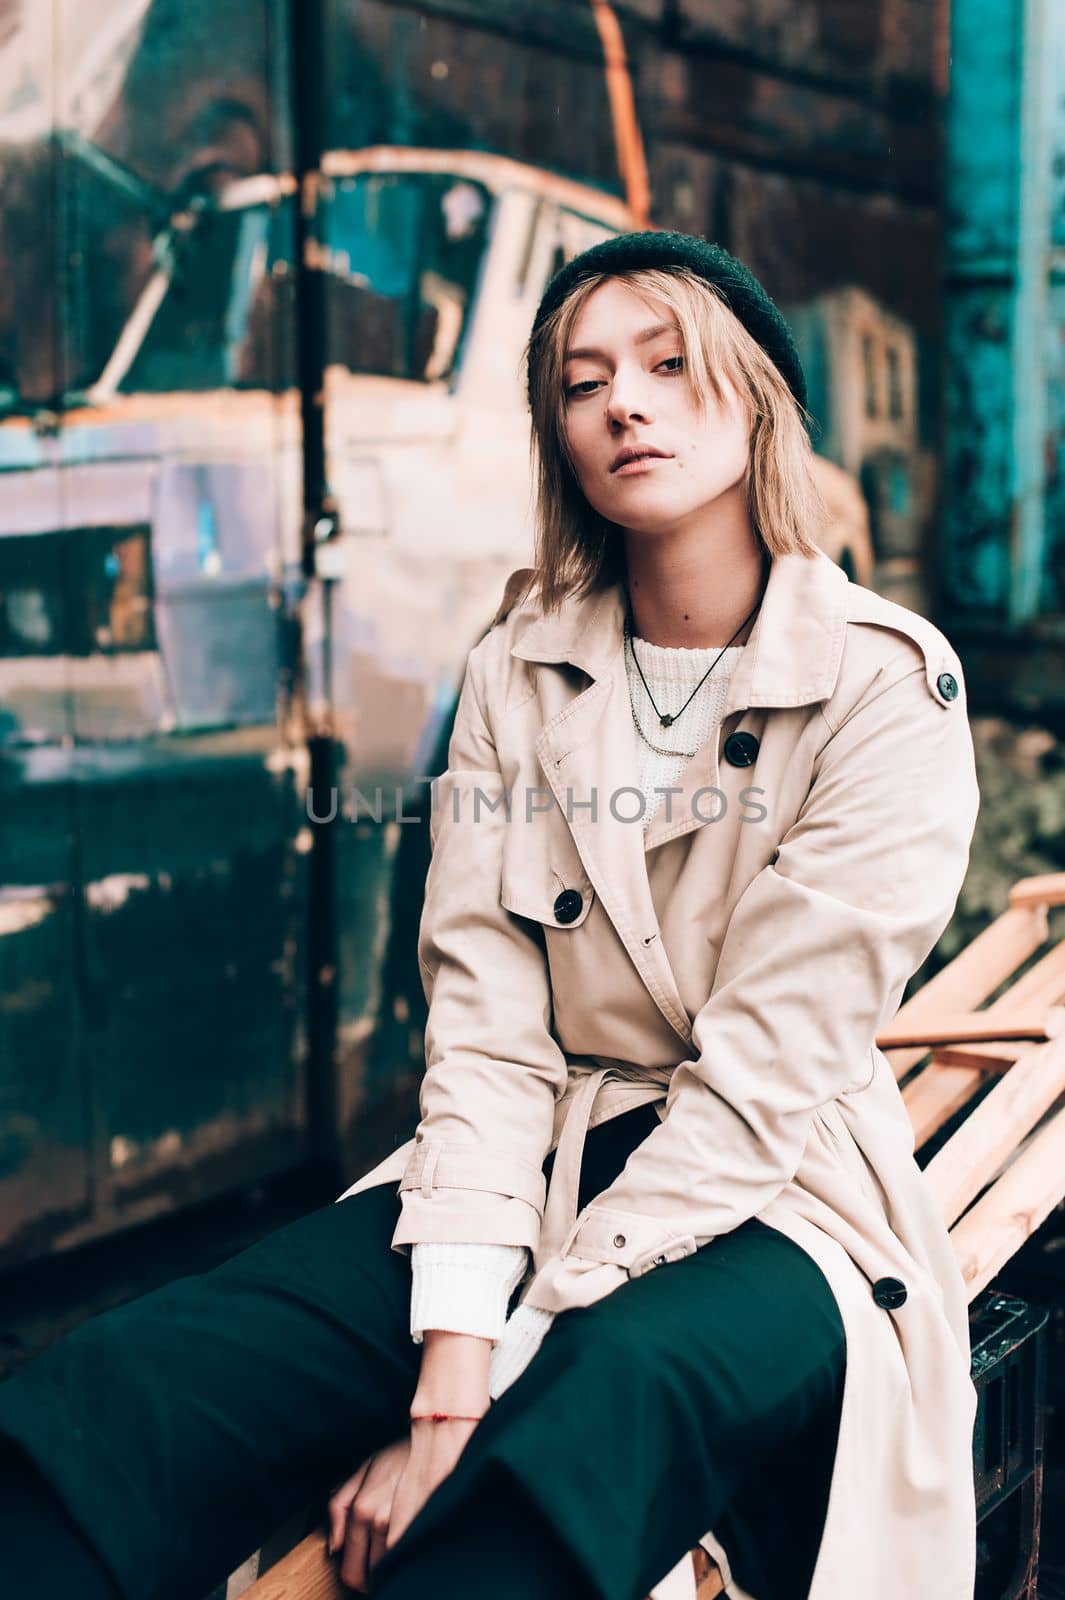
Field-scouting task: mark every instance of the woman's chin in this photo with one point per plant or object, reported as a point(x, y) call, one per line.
point(647, 513)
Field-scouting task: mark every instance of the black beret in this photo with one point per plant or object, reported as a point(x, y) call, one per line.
point(628, 252)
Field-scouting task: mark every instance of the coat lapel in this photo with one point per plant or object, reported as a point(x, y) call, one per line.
point(587, 749)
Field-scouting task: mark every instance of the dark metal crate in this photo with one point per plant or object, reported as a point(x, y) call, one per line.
point(1009, 1344)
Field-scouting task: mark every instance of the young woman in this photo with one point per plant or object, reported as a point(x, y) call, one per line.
point(708, 806)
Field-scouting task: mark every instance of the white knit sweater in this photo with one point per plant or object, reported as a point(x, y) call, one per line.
point(467, 1288)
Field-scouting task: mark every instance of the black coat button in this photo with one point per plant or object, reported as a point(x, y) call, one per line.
point(741, 749)
point(568, 905)
point(947, 684)
point(889, 1293)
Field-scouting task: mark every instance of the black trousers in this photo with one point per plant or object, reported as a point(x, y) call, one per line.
point(152, 1449)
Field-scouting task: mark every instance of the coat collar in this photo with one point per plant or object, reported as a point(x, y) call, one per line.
point(792, 656)
point(587, 752)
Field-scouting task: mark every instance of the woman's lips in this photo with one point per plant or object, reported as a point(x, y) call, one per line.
point(629, 468)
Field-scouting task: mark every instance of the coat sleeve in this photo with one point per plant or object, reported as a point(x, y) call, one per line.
point(493, 1067)
point(815, 958)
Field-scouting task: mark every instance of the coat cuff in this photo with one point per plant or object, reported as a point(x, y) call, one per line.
point(437, 1164)
point(604, 1249)
point(464, 1218)
point(626, 1239)
point(455, 1194)
point(463, 1288)
point(567, 1285)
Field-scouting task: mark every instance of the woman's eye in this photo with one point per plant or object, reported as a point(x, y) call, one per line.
point(586, 386)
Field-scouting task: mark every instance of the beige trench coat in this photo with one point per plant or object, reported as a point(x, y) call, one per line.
point(733, 964)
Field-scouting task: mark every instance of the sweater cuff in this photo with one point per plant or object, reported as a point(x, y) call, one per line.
point(521, 1340)
point(463, 1288)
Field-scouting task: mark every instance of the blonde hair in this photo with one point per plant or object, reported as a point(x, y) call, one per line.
point(576, 549)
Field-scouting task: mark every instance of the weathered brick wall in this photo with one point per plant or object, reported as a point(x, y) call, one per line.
point(803, 134)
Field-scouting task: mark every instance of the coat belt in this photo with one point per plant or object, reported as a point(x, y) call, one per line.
point(641, 1085)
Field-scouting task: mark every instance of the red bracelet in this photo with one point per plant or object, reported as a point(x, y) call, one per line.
point(443, 1416)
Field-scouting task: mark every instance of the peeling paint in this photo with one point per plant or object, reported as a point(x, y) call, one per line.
point(110, 893)
point(19, 912)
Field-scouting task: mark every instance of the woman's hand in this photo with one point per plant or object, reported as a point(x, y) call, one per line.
point(361, 1510)
point(435, 1448)
point(453, 1379)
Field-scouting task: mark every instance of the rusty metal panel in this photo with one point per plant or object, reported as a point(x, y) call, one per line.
point(866, 43)
point(522, 80)
point(1053, 572)
point(152, 1025)
point(193, 899)
point(1002, 540)
point(798, 128)
point(44, 1130)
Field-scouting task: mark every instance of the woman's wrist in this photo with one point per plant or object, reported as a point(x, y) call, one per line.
point(454, 1373)
point(435, 1418)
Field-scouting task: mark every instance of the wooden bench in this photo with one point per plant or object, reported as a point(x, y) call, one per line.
point(980, 1054)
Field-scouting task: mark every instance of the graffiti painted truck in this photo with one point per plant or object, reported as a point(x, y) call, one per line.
point(206, 968)
point(162, 651)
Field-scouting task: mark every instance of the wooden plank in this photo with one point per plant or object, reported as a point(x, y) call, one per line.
point(1048, 889)
point(1012, 1209)
point(986, 1138)
point(975, 972)
point(973, 1027)
point(1042, 984)
point(935, 1095)
point(985, 1058)
point(931, 1099)
point(307, 1573)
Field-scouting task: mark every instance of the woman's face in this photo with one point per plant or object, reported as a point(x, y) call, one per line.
point(625, 385)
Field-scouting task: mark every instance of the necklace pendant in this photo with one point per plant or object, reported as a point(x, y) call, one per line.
point(666, 721)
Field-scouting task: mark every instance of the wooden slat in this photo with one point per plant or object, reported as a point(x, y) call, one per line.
point(954, 1074)
point(1012, 1209)
point(307, 1573)
point(972, 1027)
point(1048, 889)
point(935, 1095)
point(988, 1059)
point(974, 973)
point(1042, 985)
point(989, 1135)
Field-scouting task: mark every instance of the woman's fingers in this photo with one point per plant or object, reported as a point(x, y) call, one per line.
point(340, 1501)
point(367, 1529)
point(378, 1543)
point(360, 1513)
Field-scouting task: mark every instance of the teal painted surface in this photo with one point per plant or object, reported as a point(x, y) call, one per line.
point(151, 960)
point(153, 865)
point(1005, 152)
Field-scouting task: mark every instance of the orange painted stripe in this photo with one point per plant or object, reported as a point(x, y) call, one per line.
point(628, 140)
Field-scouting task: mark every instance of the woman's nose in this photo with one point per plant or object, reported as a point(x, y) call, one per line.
point(628, 399)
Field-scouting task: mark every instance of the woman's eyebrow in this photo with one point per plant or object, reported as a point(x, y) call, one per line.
point(643, 337)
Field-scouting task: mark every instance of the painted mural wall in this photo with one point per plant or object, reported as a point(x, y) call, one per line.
point(173, 635)
point(1003, 574)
